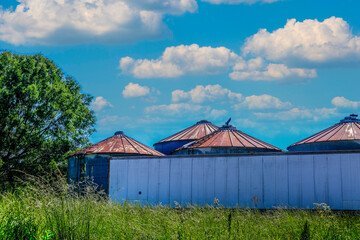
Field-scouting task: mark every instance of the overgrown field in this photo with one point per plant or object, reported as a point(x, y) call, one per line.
point(43, 211)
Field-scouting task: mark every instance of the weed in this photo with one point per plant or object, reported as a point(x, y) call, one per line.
point(56, 210)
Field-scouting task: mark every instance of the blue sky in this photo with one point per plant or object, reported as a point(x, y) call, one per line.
point(282, 70)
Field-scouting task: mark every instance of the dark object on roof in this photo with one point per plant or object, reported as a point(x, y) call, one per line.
point(195, 132)
point(344, 135)
point(226, 139)
point(119, 144)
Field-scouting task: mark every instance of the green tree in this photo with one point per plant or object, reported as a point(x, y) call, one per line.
point(43, 116)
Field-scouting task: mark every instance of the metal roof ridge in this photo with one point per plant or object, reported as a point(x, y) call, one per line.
point(235, 135)
point(241, 132)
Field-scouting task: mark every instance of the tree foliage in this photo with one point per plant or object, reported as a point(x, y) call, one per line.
point(43, 115)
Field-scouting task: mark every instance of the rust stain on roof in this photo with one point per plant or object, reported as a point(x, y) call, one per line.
point(346, 129)
point(196, 131)
point(119, 144)
point(229, 136)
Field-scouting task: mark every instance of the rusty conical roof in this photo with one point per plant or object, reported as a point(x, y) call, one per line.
point(119, 144)
point(346, 129)
point(196, 131)
point(229, 136)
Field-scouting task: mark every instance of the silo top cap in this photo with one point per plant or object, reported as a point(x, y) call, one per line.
point(202, 121)
point(351, 118)
point(119, 133)
point(225, 127)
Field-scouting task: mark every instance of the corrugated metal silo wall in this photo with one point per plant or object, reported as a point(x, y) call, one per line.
point(90, 167)
point(255, 181)
point(73, 169)
point(97, 170)
point(167, 147)
point(326, 146)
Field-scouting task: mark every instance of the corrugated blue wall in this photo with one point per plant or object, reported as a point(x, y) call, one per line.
point(326, 146)
point(221, 150)
point(254, 181)
point(167, 147)
point(93, 167)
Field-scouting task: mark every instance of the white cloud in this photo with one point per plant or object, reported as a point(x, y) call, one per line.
point(298, 113)
point(100, 103)
point(218, 94)
point(59, 22)
point(175, 7)
point(144, 68)
point(274, 72)
point(262, 102)
point(192, 59)
point(177, 109)
point(342, 102)
point(215, 113)
point(247, 123)
point(307, 42)
point(112, 122)
point(206, 93)
point(135, 90)
point(291, 114)
point(53, 22)
point(321, 113)
point(186, 110)
point(238, 1)
point(108, 120)
point(181, 60)
point(250, 65)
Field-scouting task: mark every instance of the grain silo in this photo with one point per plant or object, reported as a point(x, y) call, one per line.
point(190, 134)
point(344, 135)
point(93, 162)
point(226, 140)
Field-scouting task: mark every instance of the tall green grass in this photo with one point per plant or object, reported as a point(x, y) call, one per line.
point(45, 210)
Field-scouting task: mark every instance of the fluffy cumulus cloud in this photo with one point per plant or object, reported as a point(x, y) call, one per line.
point(206, 93)
point(107, 120)
point(239, 1)
point(288, 54)
point(186, 109)
point(247, 123)
point(299, 113)
point(216, 114)
point(274, 72)
point(307, 42)
point(133, 90)
point(219, 94)
point(100, 103)
point(177, 109)
point(262, 102)
point(54, 22)
point(181, 60)
point(195, 60)
point(342, 102)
